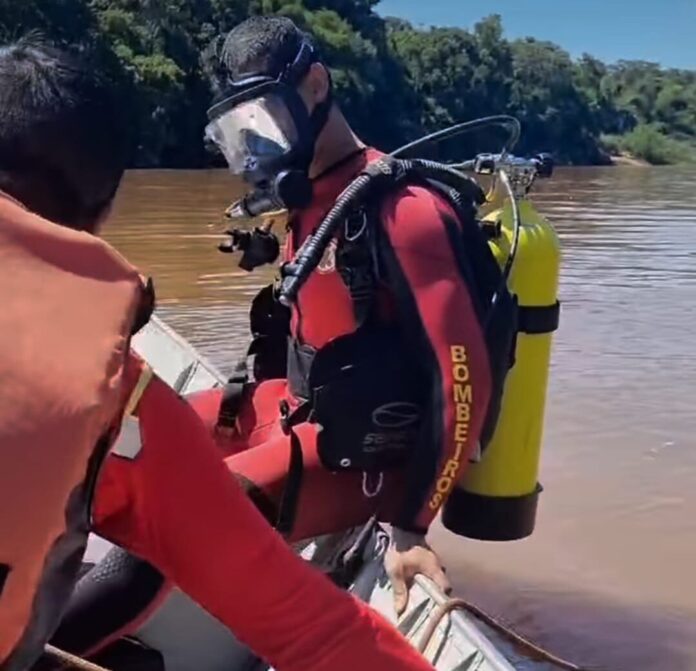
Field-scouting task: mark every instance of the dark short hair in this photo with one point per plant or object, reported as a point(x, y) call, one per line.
point(63, 144)
point(261, 45)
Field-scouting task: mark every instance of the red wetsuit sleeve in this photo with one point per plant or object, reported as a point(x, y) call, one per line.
point(438, 318)
point(174, 504)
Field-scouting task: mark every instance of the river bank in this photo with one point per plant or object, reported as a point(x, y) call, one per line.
point(630, 161)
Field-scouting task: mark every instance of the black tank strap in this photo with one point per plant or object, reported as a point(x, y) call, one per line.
point(539, 319)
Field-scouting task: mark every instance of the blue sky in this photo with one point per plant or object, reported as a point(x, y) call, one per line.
point(655, 30)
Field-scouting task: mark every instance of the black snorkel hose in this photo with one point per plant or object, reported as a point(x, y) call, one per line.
point(388, 169)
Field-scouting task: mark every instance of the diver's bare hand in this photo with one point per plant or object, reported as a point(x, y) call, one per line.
point(408, 555)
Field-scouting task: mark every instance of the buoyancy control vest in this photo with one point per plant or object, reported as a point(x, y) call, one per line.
point(497, 497)
point(372, 367)
point(343, 384)
point(70, 306)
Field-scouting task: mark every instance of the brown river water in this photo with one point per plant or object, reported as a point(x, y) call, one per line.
point(609, 578)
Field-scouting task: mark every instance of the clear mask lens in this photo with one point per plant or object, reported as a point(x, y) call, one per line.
point(254, 133)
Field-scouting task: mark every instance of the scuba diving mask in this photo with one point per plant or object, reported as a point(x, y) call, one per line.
point(267, 135)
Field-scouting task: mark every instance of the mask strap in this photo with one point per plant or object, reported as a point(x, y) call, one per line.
point(294, 72)
point(293, 75)
point(320, 114)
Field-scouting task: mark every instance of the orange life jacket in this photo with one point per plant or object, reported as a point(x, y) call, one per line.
point(69, 305)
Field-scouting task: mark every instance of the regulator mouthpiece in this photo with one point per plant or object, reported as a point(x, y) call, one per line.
point(290, 190)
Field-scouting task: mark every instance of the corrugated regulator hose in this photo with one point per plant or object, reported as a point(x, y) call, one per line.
point(378, 176)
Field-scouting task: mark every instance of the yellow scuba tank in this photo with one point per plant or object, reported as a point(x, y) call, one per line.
point(496, 499)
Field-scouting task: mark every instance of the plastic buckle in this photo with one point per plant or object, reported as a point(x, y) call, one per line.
point(285, 416)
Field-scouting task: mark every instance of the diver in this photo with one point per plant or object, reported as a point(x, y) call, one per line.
point(71, 304)
point(369, 385)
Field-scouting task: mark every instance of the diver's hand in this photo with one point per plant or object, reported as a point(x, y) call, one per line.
point(409, 554)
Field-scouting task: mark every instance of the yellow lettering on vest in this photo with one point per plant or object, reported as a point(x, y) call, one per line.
point(461, 432)
point(462, 394)
point(443, 485)
point(435, 502)
point(450, 470)
point(458, 354)
point(460, 372)
point(463, 412)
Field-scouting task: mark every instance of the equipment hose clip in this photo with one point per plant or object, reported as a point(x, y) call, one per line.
point(355, 220)
point(371, 488)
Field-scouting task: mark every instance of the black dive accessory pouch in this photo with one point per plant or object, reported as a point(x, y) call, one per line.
point(368, 400)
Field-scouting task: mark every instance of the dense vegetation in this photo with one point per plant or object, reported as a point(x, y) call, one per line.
point(394, 82)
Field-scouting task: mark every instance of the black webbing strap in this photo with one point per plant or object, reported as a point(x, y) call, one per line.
point(355, 262)
point(233, 394)
point(4, 572)
point(287, 510)
point(538, 319)
point(145, 308)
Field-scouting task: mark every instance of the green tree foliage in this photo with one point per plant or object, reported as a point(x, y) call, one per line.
point(393, 81)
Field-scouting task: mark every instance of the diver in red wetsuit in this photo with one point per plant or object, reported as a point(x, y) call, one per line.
point(169, 498)
point(407, 336)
